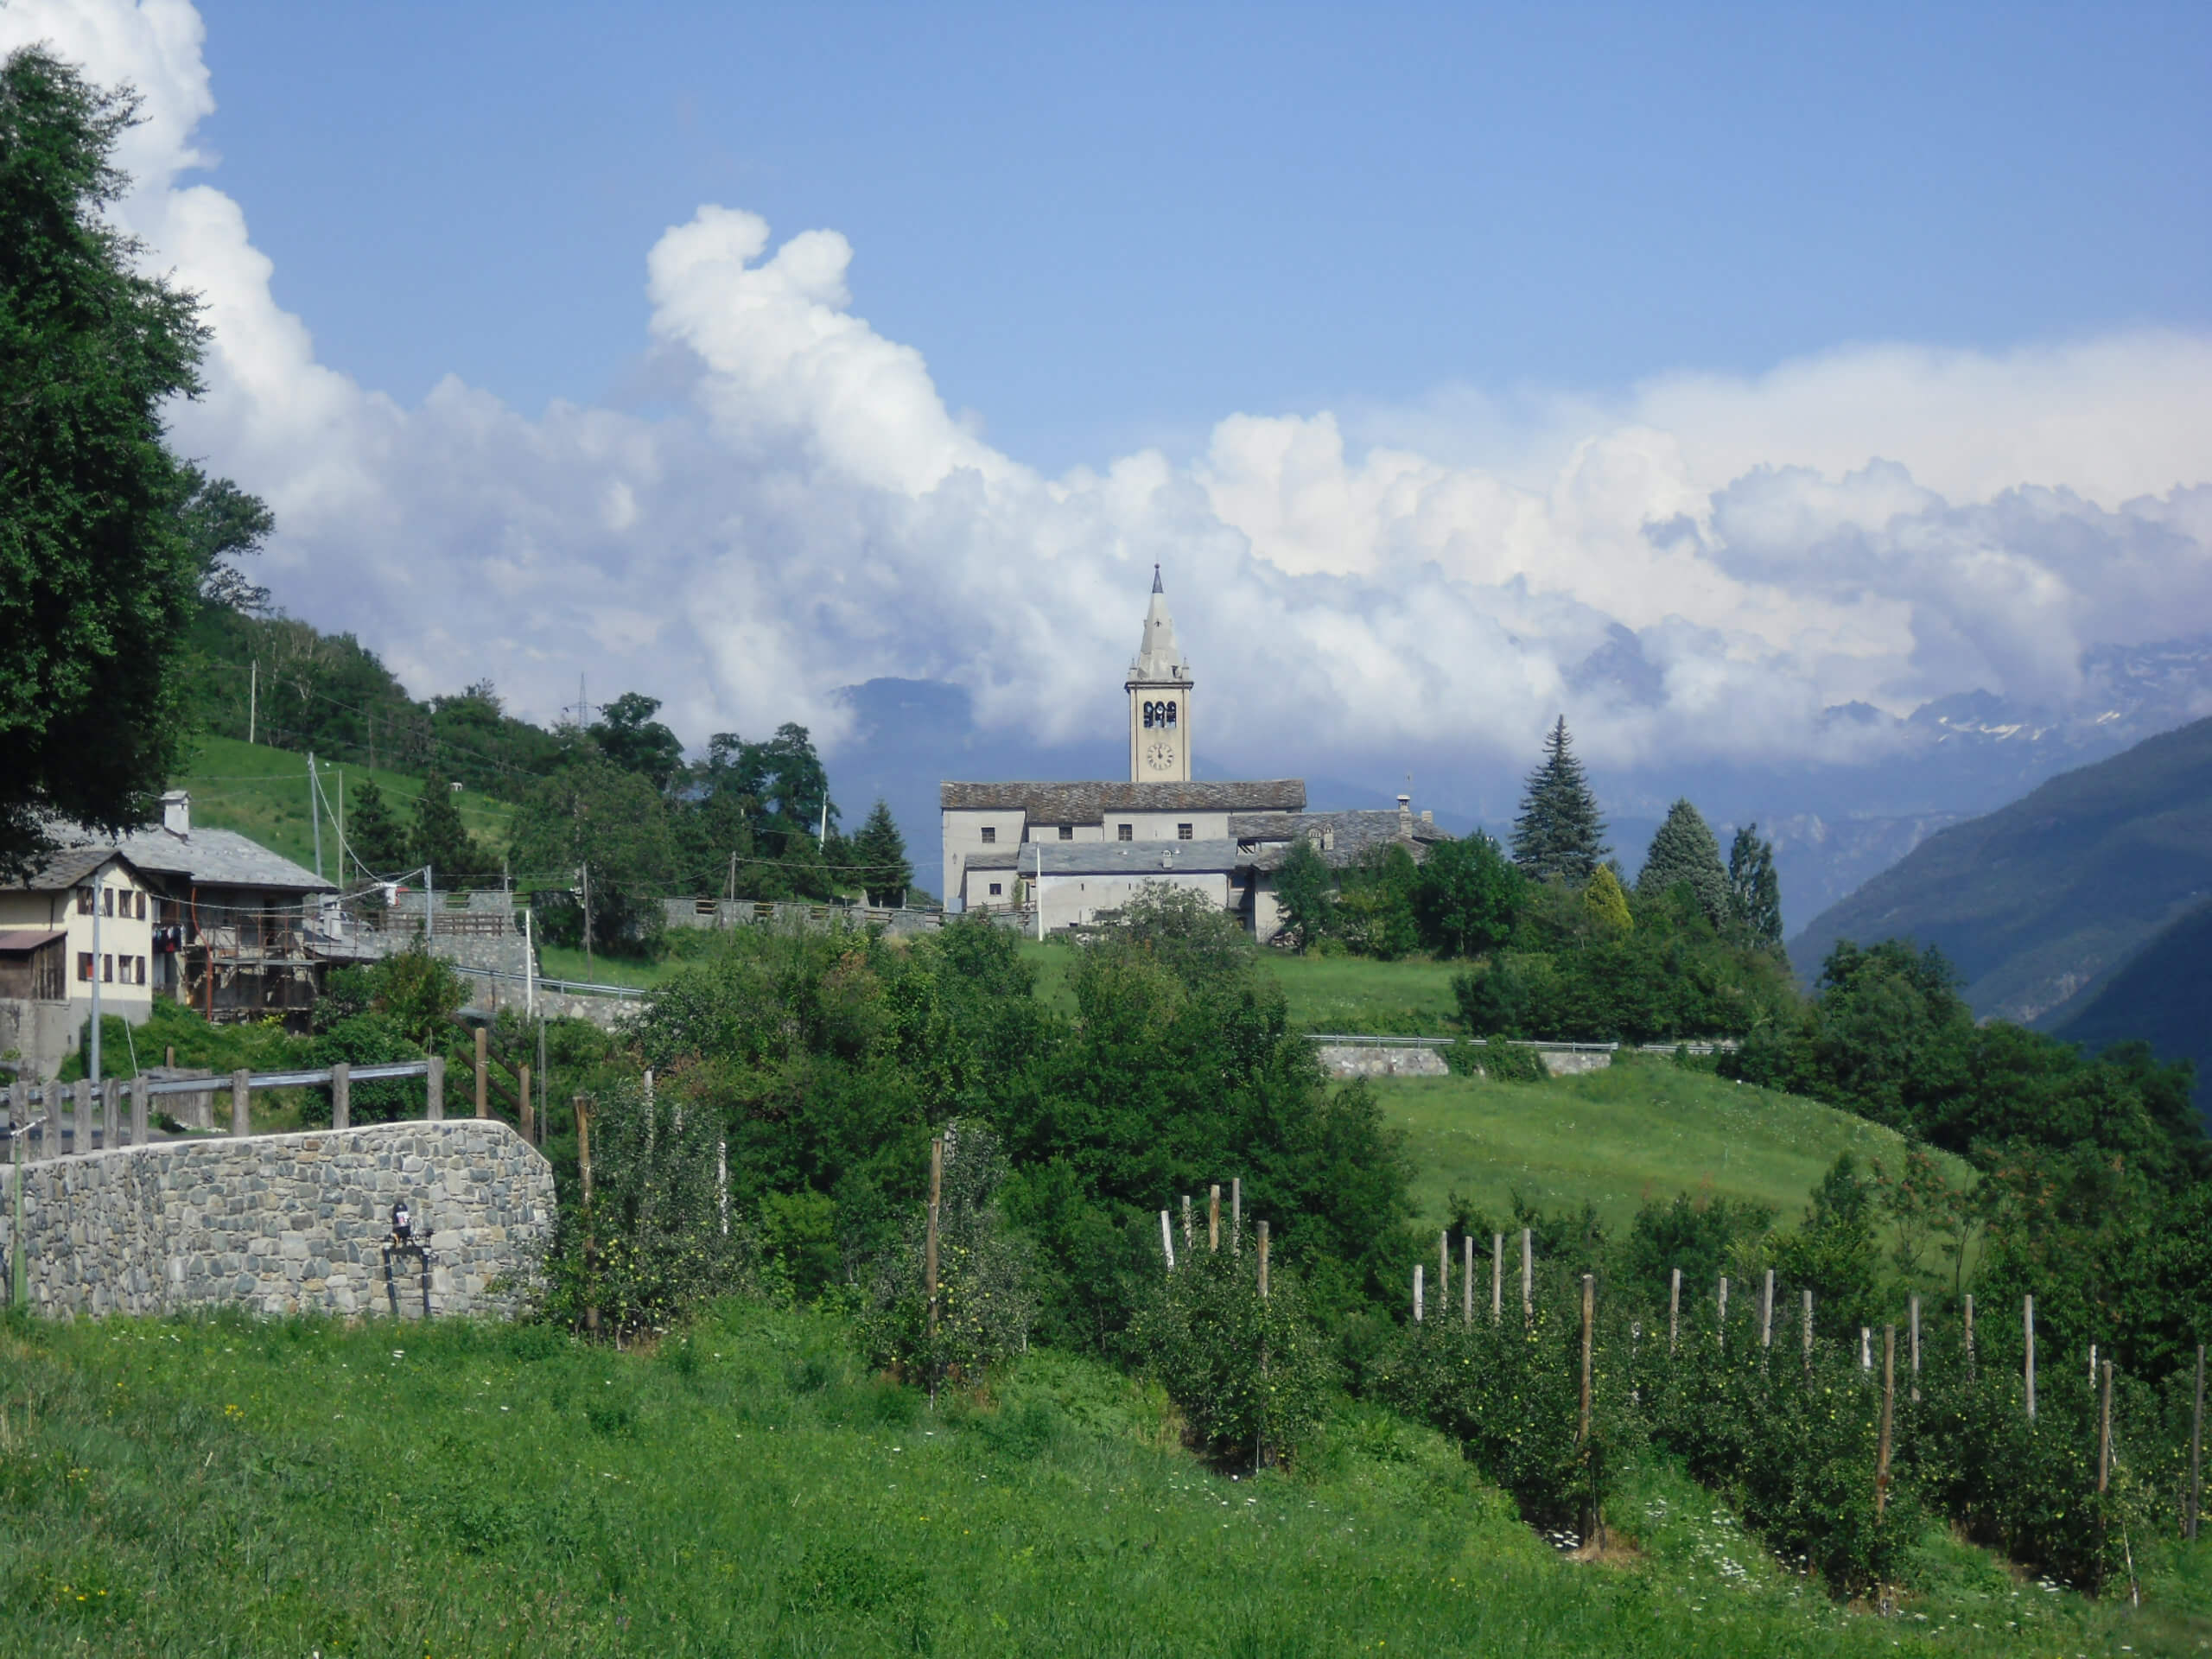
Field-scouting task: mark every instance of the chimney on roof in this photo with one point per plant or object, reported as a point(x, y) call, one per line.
point(1406, 814)
point(176, 814)
point(1428, 817)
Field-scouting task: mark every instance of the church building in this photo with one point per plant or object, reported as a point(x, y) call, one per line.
point(1072, 851)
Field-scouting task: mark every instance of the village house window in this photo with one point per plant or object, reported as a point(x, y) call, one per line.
point(141, 908)
point(107, 971)
point(1182, 832)
point(1067, 832)
point(84, 901)
point(84, 964)
point(991, 835)
point(107, 901)
point(997, 889)
point(1125, 832)
point(138, 971)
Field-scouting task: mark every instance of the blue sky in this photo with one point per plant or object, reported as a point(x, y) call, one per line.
point(1110, 227)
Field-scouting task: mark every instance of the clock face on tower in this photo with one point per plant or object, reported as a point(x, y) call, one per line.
point(1160, 757)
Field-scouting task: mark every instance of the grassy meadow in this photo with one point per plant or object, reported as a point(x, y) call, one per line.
point(1642, 1129)
point(263, 793)
point(233, 1487)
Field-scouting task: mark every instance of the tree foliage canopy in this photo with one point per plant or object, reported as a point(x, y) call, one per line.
point(1560, 835)
point(1684, 851)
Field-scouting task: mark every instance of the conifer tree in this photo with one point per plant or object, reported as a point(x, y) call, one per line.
point(1754, 889)
point(1606, 903)
point(440, 839)
point(1559, 834)
point(373, 832)
point(1684, 853)
point(877, 854)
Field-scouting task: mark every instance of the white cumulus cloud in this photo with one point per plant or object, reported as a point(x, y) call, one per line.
point(1694, 566)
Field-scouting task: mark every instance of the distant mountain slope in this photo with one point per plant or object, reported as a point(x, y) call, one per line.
point(2162, 994)
point(2033, 901)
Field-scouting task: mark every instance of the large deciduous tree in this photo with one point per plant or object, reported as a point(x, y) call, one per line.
point(1685, 854)
point(632, 739)
point(1468, 897)
point(1559, 834)
point(593, 818)
point(100, 566)
point(1306, 891)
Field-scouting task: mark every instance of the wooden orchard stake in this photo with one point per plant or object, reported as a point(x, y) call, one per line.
point(1865, 1348)
point(1188, 1235)
point(721, 1170)
point(584, 1144)
point(483, 1073)
point(529, 1114)
point(1721, 1329)
point(1443, 1268)
point(583, 1169)
point(1915, 1348)
point(1166, 1242)
point(1237, 1215)
point(929, 1242)
point(1213, 1217)
point(2196, 1449)
point(1807, 1319)
point(1496, 1277)
point(1766, 1312)
point(1591, 1521)
point(2104, 1432)
point(2028, 1325)
point(1263, 1261)
point(1417, 1293)
point(1467, 1277)
point(1673, 1309)
point(1969, 1306)
point(1528, 1276)
point(1889, 1406)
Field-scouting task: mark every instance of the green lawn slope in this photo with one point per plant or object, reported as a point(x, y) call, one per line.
point(261, 792)
point(1643, 1129)
point(303, 1488)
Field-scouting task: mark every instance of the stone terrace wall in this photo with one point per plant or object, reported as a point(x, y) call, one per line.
point(285, 1224)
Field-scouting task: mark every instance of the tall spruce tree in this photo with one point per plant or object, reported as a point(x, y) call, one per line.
point(1559, 834)
point(1684, 853)
point(1754, 889)
point(440, 839)
point(878, 857)
point(374, 834)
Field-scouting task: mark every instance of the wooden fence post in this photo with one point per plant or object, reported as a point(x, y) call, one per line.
point(584, 1144)
point(1969, 1309)
point(2104, 1434)
point(241, 1098)
point(1417, 1293)
point(1496, 1277)
point(582, 1104)
point(1528, 1276)
point(1263, 1261)
point(1166, 1242)
point(81, 1142)
point(529, 1105)
point(141, 1100)
point(436, 1093)
point(1766, 1312)
point(929, 1247)
point(1721, 1330)
point(1915, 1348)
point(483, 1073)
point(341, 1095)
point(1237, 1215)
point(1444, 1269)
point(1673, 1309)
point(2028, 1325)
point(1889, 1404)
point(2196, 1449)
point(1467, 1277)
point(1213, 1217)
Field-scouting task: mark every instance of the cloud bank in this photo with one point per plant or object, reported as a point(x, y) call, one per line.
point(1695, 567)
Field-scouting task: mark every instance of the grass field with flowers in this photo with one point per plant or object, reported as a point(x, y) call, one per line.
point(234, 1488)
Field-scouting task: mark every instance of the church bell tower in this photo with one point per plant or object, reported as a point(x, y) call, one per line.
point(1159, 700)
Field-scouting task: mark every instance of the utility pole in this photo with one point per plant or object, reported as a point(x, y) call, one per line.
point(313, 813)
point(584, 873)
point(254, 702)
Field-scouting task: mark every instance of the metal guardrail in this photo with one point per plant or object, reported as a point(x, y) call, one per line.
point(561, 987)
point(1361, 1040)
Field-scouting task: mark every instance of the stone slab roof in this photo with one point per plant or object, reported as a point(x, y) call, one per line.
point(1348, 835)
point(213, 858)
point(1116, 857)
point(1089, 803)
point(66, 866)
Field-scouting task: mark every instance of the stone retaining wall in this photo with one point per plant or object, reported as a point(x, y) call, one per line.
point(286, 1223)
point(1367, 1060)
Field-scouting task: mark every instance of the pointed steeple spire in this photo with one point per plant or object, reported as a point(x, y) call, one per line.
point(1158, 659)
point(1156, 588)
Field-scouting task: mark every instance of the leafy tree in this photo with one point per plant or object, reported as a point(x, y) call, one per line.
point(767, 803)
point(1468, 898)
point(1606, 904)
point(1754, 889)
point(1684, 852)
point(594, 816)
point(1305, 891)
point(1700, 1236)
point(1194, 938)
point(1374, 903)
point(1560, 835)
point(630, 738)
point(99, 579)
point(374, 832)
point(439, 838)
point(224, 524)
point(1835, 1253)
point(878, 857)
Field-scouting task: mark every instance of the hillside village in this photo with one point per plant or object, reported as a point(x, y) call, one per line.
point(570, 1187)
